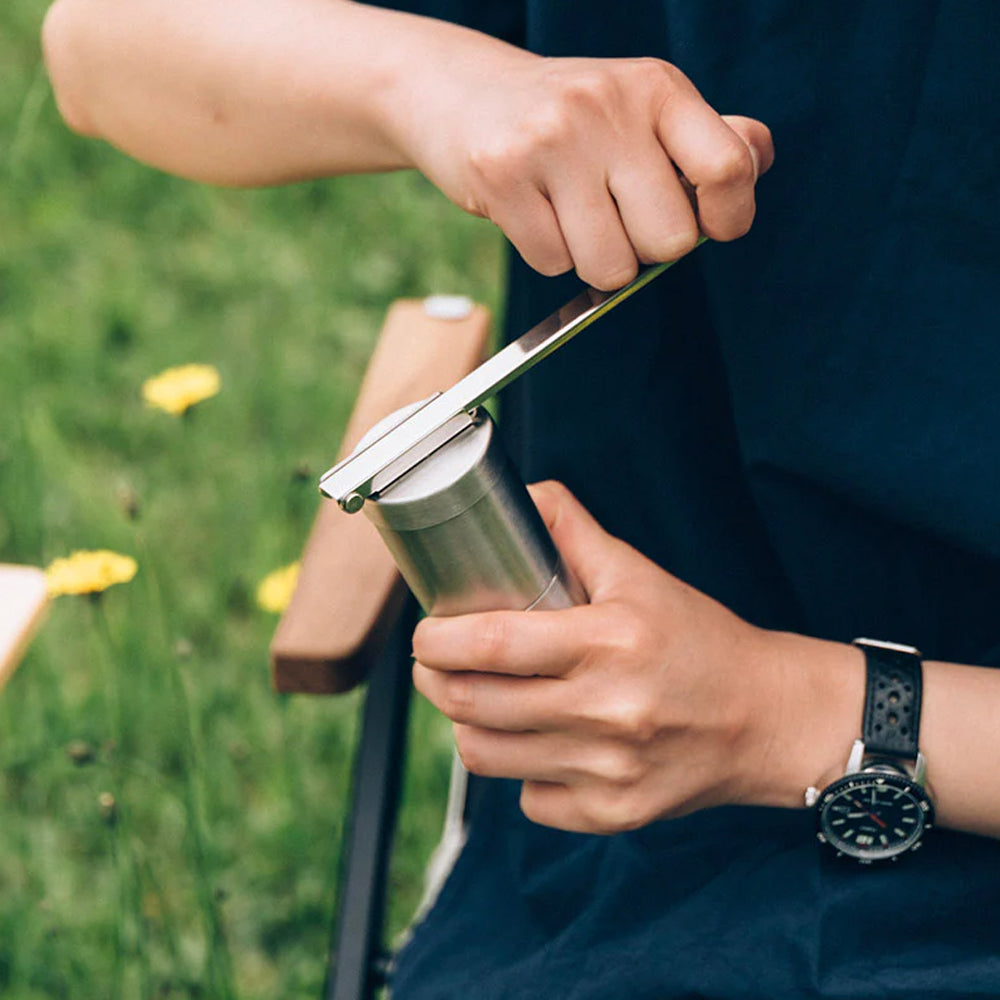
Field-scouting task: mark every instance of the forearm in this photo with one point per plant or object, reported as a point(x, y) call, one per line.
point(960, 737)
point(245, 92)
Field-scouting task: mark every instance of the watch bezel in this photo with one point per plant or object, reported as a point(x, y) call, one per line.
point(874, 774)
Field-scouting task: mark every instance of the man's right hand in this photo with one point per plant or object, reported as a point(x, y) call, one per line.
point(580, 161)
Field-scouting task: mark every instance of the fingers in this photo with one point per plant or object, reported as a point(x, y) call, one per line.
point(572, 807)
point(545, 643)
point(529, 222)
point(576, 160)
point(603, 252)
point(535, 643)
point(757, 136)
point(521, 643)
point(494, 701)
point(655, 209)
point(640, 214)
point(546, 757)
point(716, 160)
point(618, 200)
point(599, 561)
point(535, 756)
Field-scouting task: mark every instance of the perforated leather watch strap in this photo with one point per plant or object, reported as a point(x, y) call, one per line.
point(891, 724)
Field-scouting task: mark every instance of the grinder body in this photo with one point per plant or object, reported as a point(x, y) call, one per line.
point(464, 531)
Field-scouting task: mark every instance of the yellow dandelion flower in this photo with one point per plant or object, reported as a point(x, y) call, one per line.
point(175, 390)
point(276, 589)
point(89, 572)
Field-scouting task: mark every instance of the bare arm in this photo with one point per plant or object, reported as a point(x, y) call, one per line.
point(576, 160)
point(242, 92)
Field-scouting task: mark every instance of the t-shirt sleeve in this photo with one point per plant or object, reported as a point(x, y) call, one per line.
point(501, 18)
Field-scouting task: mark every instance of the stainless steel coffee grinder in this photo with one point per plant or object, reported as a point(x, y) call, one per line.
point(449, 503)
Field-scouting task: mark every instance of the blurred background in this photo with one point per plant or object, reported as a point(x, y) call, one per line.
point(170, 827)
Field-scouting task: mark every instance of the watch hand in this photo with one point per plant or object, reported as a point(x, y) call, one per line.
point(869, 814)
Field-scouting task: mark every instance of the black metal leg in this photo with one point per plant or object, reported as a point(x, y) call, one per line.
point(355, 968)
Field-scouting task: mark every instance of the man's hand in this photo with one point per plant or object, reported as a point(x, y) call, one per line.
point(651, 701)
point(578, 160)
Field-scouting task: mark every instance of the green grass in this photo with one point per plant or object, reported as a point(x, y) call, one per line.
point(213, 873)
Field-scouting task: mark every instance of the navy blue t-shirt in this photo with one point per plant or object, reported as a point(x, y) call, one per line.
point(804, 424)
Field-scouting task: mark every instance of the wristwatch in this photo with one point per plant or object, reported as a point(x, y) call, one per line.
point(880, 808)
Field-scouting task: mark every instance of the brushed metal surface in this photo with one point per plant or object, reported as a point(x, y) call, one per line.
point(465, 533)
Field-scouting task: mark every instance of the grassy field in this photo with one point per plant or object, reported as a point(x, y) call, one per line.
point(169, 827)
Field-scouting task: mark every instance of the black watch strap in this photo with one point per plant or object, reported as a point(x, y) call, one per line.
point(891, 724)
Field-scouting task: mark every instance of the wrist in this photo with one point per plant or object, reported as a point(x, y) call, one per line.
point(818, 700)
point(434, 80)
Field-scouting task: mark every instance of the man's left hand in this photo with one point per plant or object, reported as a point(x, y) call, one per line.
point(653, 700)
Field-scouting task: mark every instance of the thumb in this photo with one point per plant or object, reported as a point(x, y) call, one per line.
point(592, 555)
point(757, 136)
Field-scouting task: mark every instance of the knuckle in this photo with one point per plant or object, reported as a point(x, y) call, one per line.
point(630, 719)
point(620, 768)
point(654, 74)
point(734, 167)
point(590, 86)
point(660, 68)
point(630, 635)
point(616, 811)
point(547, 126)
point(498, 163)
point(485, 161)
point(632, 813)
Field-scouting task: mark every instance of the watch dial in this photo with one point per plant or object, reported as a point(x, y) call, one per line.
point(874, 816)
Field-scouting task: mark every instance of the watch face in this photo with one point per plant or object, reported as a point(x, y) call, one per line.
point(874, 815)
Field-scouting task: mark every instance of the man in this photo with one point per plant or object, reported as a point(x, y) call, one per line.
point(802, 427)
